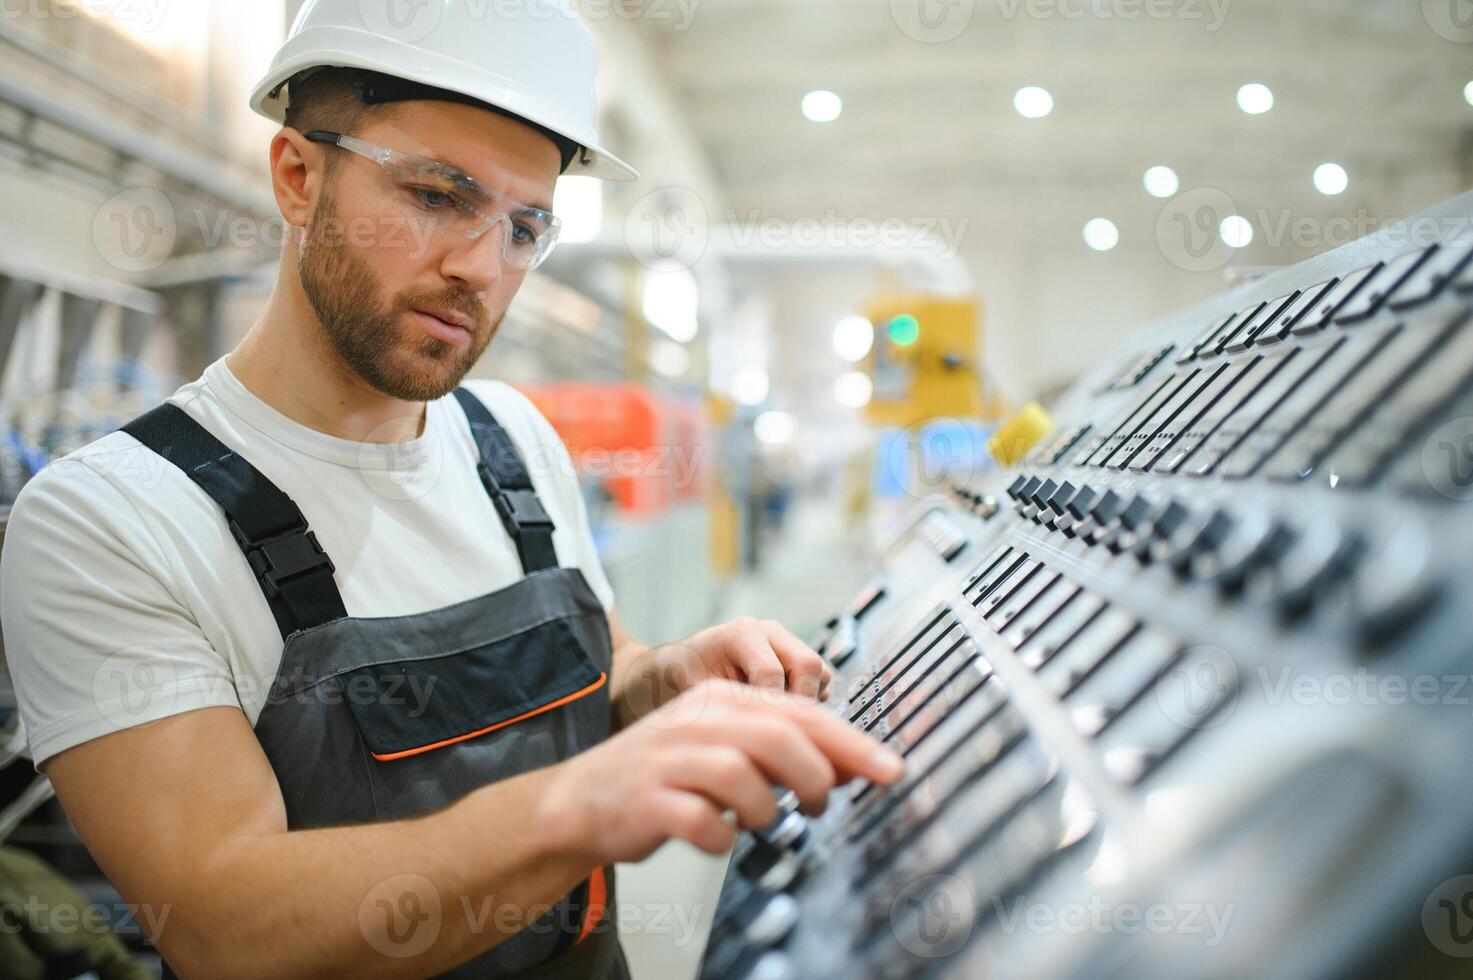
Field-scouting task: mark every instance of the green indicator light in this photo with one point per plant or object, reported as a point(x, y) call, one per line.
point(904, 330)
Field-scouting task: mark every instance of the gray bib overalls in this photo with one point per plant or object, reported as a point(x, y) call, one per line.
point(384, 718)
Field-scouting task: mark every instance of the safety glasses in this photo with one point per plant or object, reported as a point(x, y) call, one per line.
point(453, 205)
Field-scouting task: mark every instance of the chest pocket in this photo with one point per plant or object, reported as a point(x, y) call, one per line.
point(408, 708)
point(435, 728)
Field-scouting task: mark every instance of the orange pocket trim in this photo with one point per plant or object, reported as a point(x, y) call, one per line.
point(598, 897)
point(391, 756)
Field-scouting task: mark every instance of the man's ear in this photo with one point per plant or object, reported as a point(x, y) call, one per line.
point(296, 175)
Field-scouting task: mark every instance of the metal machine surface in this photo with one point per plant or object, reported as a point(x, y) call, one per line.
point(1184, 693)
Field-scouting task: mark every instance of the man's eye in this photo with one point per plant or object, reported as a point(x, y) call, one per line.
point(524, 235)
point(433, 199)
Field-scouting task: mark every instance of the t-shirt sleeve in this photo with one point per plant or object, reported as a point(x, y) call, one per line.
point(552, 470)
point(97, 639)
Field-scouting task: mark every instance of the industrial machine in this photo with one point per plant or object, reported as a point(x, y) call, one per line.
point(1185, 691)
point(925, 361)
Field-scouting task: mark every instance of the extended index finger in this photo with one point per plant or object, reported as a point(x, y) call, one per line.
point(852, 752)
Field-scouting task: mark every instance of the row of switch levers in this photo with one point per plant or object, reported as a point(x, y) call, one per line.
point(982, 805)
point(1337, 377)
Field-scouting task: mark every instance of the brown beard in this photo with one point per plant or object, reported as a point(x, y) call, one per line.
point(344, 292)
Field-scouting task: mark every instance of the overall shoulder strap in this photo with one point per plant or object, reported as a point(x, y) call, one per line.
point(291, 567)
point(505, 478)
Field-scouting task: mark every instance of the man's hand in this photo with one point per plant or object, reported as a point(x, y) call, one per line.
point(761, 653)
point(718, 747)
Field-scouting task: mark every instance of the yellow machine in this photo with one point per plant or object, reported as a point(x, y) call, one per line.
point(926, 359)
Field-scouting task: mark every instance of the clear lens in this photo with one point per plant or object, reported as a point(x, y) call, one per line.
point(453, 207)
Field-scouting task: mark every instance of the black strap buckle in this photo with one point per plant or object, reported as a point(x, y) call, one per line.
point(522, 509)
point(283, 557)
point(518, 508)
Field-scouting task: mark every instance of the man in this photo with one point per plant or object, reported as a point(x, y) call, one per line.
point(326, 675)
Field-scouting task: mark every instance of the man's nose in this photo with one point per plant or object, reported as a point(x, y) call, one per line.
point(477, 262)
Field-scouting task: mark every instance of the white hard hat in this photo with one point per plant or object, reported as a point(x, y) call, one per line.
point(532, 58)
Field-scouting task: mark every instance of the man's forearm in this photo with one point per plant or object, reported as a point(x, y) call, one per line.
point(403, 898)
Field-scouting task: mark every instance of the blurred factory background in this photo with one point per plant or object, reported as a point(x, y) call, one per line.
point(865, 232)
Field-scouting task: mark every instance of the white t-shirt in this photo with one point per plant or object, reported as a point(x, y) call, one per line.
point(124, 599)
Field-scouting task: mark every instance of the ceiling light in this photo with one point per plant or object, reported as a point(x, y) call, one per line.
point(1255, 99)
point(853, 389)
point(1033, 102)
point(822, 106)
point(1101, 234)
point(1236, 231)
point(775, 428)
point(1468, 92)
point(1161, 182)
point(749, 386)
point(1331, 179)
point(853, 338)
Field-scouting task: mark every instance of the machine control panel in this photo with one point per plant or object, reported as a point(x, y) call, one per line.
point(1179, 691)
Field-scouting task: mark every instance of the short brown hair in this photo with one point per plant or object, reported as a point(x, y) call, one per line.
point(327, 99)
